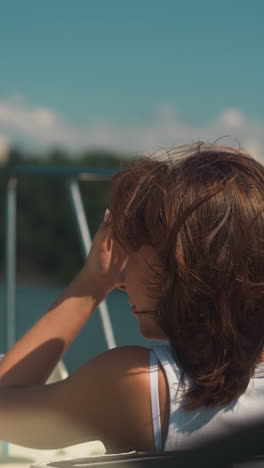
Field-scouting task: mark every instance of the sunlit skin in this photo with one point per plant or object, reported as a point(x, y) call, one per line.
point(114, 383)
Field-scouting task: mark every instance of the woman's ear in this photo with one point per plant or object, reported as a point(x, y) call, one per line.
point(107, 216)
point(121, 281)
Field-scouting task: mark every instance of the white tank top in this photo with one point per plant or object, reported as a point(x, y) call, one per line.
point(186, 428)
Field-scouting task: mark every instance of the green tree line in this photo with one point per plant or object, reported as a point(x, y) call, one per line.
point(48, 244)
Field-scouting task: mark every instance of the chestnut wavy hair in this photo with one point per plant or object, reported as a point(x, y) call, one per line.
point(201, 208)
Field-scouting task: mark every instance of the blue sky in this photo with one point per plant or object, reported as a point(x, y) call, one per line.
point(110, 67)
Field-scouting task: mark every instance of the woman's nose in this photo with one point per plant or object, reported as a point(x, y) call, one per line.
point(121, 280)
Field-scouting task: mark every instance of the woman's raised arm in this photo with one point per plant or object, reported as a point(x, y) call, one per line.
point(34, 356)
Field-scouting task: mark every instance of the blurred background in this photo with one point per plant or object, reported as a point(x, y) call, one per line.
point(95, 84)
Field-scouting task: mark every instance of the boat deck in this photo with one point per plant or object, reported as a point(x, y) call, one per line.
point(23, 457)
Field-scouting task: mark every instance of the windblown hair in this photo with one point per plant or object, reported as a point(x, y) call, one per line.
point(201, 208)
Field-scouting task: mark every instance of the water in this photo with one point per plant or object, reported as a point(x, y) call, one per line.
point(32, 301)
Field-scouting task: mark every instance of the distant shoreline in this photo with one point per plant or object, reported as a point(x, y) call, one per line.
point(36, 280)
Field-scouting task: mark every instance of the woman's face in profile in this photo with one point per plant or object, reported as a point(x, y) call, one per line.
point(133, 279)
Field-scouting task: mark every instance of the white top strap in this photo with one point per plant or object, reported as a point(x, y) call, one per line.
point(154, 395)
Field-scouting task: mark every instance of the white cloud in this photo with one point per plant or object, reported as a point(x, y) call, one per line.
point(39, 125)
point(43, 126)
point(232, 118)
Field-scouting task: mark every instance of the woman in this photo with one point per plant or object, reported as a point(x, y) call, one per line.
point(185, 238)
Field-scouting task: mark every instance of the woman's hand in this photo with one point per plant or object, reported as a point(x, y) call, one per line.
point(105, 261)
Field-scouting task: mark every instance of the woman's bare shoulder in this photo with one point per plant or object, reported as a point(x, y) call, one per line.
point(110, 394)
point(128, 355)
point(106, 399)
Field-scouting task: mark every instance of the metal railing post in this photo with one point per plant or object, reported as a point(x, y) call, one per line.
point(10, 267)
point(75, 195)
point(10, 262)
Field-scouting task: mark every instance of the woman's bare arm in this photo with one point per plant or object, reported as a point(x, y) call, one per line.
point(33, 357)
point(106, 399)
